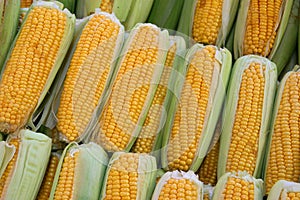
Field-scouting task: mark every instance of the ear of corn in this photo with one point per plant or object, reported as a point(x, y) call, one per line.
point(247, 115)
point(129, 175)
point(284, 190)
point(208, 192)
point(178, 185)
point(133, 87)
point(149, 139)
point(283, 154)
point(45, 189)
point(26, 3)
point(80, 172)
point(208, 22)
point(239, 185)
point(28, 74)
point(260, 27)
point(166, 13)
point(24, 172)
point(201, 98)
point(287, 44)
point(8, 26)
point(89, 73)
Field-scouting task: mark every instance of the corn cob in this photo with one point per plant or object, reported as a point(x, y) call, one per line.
point(28, 74)
point(24, 172)
point(129, 176)
point(80, 172)
point(260, 27)
point(178, 185)
point(132, 88)
point(247, 115)
point(238, 185)
point(283, 154)
point(208, 169)
point(285, 190)
point(166, 13)
point(208, 192)
point(208, 22)
point(45, 189)
point(90, 68)
point(149, 137)
point(8, 26)
point(202, 95)
point(26, 3)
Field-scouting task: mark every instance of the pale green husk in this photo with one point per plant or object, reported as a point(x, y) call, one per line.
point(31, 163)
point(179, 175)
point(231, 107)
point(69, 4)
point(146, 175)
point(281, 188)
point(259, 190)
point(85, 8)
point(208, 190)
point(216, 98)
point(89, 170)
point(6, 153)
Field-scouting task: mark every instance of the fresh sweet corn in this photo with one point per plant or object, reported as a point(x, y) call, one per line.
point(247, 115)
point(26, 3)
point(284, 190)
point(260, 26)
point(45, 189)
point(23, 172)
point(178, 185)
point(238, 185)
point(132, 88)
point(149, 135)
point(184, 144)
point(80, 172)
point(283, 150)
point(129, 176)
point(89, 74)
point(208, 21)
point(33, 62)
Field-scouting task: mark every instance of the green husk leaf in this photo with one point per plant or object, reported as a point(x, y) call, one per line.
point(241, 27)
point(69, 4)
point(33, 156)
point(185, 23)
point(208, 190)
point(290, 65)
point(287, 45)
point(8, 26)
point(231, 107)
point(166, 13)
point(223, 57)
point(63, 49)
point(138, 14)
point(179, 175)
point(89, 172)
point(86, 7)
point(1, 137)
point(122, 9)
point(258, 184)
point(281, 188)
point(6, 154)
point(146, 175)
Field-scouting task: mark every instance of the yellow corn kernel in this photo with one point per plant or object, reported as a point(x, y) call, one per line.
point(206, 196)
point(208, 169)
point(183, 142)
point(237, 188)
point(64, 188)
point(87, 75)
point(6, 177)
point(29, 66)
point(106, 6)
point(292, 196)
point(178, 189)
point(207, 21)
point(284, 155)
point(46, 186)
point(146, 139)
point(261, 26)
point(129, 90)
point(246, 128)
point(26, 3)
point(123, 178)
